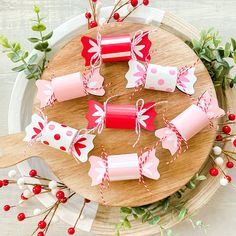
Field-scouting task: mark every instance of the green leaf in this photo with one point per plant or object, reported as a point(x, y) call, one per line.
point(31, 76)
point(135, 216)
point(234, 80)
point(25, 55)
point(48, 36)
point(233, 41)
point(39, 28)
point(4, 42)
point(14, 57)
point(166, 204)
point(34, 40)
point(19, 68)
point(227, 50)
point(191, 185)
point(16, 46)
point(125, 210)
point(155, 220)
point(182, 213)
point(36, 9)
point(201, 177)
point(33, 59)
point(138, 210)
point(126, 223)
point(41, 46)
point(234, 57)
point(146, 217)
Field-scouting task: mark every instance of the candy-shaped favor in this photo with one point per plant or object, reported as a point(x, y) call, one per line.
point(70, 86)
point(124, 167)
point(116, 48)
point(189, 122)
point(59, 136)
point(162, 78)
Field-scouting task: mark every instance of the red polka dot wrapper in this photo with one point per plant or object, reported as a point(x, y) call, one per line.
point(59, 136)
point(189, 122)
point(161, 78)
point(116, 48)
point(70, 86)
point(124, 167)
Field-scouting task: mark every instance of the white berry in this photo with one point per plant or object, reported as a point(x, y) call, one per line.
point(217, 150)
point(148, 21)
point(224, 181)
point(219, 161)
point(52, 184)
point(21, 181)
point(27, 193)
point(37, 211)
point(12, 173)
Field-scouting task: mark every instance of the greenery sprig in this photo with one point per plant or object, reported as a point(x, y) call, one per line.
point(218, 60)
point(152, 213)
point(17, 55)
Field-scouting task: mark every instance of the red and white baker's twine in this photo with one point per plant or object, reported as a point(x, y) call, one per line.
point(105, 180)
point(180, 139)
point(142, 161)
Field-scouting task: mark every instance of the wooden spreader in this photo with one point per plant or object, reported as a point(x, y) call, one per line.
point(170, 51)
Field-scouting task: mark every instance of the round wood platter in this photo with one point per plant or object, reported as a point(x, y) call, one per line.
point(170, 51)
point(107, 217)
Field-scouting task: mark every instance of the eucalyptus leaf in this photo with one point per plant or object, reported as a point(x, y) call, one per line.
point(155, 220)
point(146, 216)
point(4, 42)
point(126, 223)
point(201, 177)
point(233, 42)
point(191, 185)
point(125, 210)
point(39, 28)
point(19, 68)
point(34, 40)
point(227, 50)
point(182, 213)
point(48, 36)
point(33, 59)
point(138, 210)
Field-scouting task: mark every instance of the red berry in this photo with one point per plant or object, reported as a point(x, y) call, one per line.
point(33, 173)
point(134, 3)
point(86, 200)
point(88, 15)
point(234, 142)
point(93, 24)
point(230, 164)
point(1, 183)
point(63, 200)
point(37, 189)
point(94, 0)
point(119, 20)
point(231, 117)
point(6, 208)
point(60, 195)
point(214, 172)
point(21, 216)
point(42, 224)
point(228, 178)
point(40, 233)
point(145, 2)
point(23, 198)
point(5, 182)
point(71, 231)
point(226, 129)
point(116, 16)
point(219, 137)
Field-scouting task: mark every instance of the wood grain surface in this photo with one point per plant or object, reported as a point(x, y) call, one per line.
point(170, 51)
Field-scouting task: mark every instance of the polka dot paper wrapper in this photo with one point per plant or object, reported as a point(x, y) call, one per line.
point(161, 78)
point(59, 136)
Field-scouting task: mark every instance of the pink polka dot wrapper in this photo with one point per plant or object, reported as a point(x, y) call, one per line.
point(161, 78)
point(60, 137)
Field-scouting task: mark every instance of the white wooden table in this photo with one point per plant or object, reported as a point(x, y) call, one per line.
point(14, 23)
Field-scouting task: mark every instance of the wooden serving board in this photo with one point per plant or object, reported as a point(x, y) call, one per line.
point(170, 51)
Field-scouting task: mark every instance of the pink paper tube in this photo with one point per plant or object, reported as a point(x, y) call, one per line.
point(124, 167)
point(116, 48)
point(161, 78)
point(189, 123)
point(70, 86)
point(59, 136)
